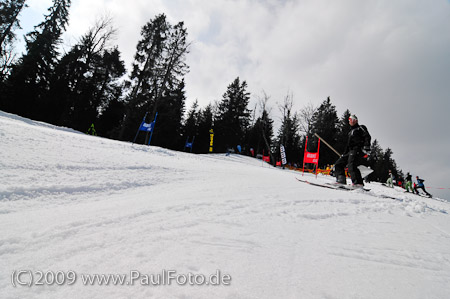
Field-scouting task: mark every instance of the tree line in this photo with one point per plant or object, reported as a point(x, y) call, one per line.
point(89, 83)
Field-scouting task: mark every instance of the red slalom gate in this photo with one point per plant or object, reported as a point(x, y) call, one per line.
point(312, 158)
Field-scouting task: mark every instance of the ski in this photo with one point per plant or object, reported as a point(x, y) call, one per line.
point(316, 184)
point(384, 184)
point(423, 195)
point(348, 187)
point(332, 186)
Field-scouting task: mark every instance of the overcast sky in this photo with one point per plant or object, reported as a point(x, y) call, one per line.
point(386, 61)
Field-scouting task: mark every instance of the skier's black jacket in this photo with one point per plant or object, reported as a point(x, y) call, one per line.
point(358, 138)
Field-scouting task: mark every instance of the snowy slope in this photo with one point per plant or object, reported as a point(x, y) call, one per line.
point(72, 202)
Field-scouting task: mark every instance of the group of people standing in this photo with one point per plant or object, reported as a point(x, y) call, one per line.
point(408, 184)
point(357, 152)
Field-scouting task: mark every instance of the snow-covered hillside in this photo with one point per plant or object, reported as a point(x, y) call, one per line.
point(73, 205)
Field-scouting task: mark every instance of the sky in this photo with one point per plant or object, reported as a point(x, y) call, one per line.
point(386, 61)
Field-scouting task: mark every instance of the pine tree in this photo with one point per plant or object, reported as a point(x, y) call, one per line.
point(385, 164)
point(288, 132)
point(9, 21)
point(344, 129)
point(205, 124)
point(382, 162)
point(9, 13)
point(325, 124)
point(191, 123)
point(376, 155)
point(88, 75)
point(174, 67)
point(198, 124)
point(158, 70)
point(29, 82)
point(260, 133)
point(168, 131)
point(110, 118)
point(233, 116)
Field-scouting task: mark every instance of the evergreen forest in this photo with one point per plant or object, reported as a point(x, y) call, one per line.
point(89, 84)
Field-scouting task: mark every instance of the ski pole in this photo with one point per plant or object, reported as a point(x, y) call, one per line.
point(337, 153)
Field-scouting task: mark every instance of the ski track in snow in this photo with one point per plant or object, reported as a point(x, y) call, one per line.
point(69, 201)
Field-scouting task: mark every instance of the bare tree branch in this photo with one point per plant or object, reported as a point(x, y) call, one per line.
point(306, 118)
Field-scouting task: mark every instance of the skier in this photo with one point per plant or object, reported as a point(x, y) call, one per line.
point(408, 185)
point(390, 180)
point(357, 150)
point(421, 185)
point(91, 130)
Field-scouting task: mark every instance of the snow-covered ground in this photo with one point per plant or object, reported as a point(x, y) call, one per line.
point(74, 205)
